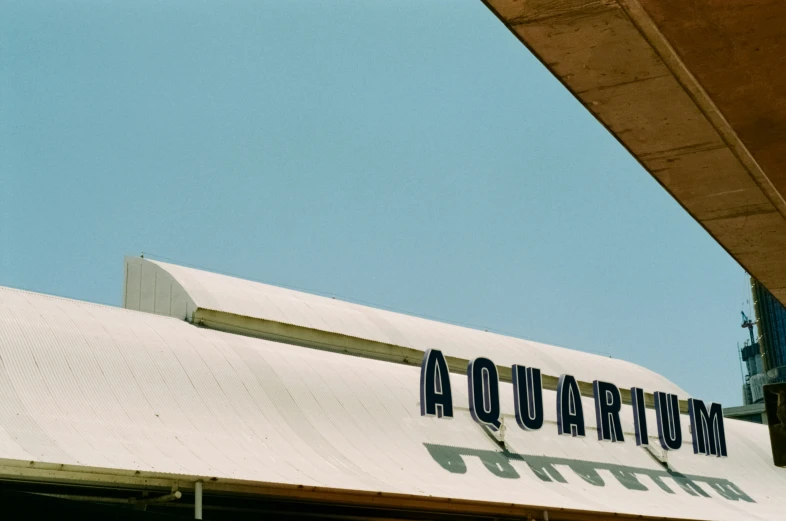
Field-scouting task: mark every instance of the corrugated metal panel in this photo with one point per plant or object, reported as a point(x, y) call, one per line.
point(253, 299)
point(151, 289)
point(96, 386)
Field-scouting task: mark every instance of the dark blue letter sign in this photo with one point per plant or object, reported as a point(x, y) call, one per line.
point(528, 397)
point(435, 396)
point(608, 402)
point(639, 415)
point(570, 413)
point(667, 411)
point(483, 383)
point(709, 436)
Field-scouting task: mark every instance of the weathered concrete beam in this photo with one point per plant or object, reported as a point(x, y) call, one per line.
point(664, 93)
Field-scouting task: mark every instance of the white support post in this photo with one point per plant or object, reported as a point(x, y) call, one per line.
point(198, 500)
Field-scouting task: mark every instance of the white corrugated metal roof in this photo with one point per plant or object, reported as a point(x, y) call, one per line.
point(227, 294)
point(95, 386)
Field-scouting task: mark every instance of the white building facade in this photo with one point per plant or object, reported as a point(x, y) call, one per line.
point(216, 397)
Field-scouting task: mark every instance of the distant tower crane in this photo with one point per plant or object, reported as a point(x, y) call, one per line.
point(746, 322)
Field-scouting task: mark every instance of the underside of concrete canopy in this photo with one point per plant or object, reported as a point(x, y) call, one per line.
point(696, 91)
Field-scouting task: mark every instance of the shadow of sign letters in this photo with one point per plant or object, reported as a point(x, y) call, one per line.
point(544, 467)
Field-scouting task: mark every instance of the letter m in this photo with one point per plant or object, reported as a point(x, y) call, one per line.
point(709, 436)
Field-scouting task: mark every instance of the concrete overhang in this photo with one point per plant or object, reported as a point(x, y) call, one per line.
point(696, 92)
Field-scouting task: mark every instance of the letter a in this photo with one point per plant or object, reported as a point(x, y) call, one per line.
point(435, 396)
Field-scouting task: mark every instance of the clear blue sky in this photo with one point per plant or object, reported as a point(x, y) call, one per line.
point(412, 155)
